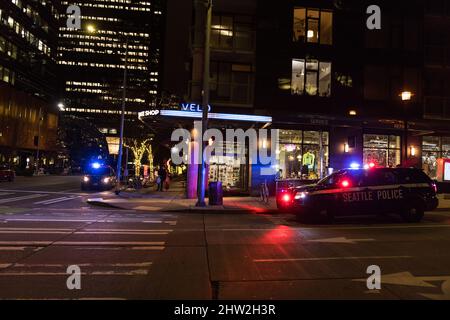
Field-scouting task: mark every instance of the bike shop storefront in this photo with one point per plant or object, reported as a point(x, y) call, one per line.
point(231, 163)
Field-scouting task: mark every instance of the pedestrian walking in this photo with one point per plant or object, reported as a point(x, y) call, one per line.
point(162, 175)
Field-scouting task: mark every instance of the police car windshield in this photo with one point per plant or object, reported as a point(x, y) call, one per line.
point(102, 171)
point(331, 179)
point(353, 176)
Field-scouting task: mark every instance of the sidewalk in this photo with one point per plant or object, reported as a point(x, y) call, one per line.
point(174, 200)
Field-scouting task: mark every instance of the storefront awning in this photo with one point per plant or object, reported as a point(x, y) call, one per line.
point(217, 116)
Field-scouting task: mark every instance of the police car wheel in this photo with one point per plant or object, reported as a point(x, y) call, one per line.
point(413, 214)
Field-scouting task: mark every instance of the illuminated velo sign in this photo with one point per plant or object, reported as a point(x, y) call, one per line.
point(193, 107)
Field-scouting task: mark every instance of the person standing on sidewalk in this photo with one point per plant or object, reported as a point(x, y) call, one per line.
point(162, 175)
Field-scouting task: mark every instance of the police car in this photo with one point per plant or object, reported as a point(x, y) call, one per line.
point(407, 191)
point(98, 176)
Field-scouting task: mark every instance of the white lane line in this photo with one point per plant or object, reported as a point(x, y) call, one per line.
point(109, 243)
point(123, 233)
point(139, 272)
point(331, 259)
point(12, 248)
point(48, 220)
point(46, 192)
point(36, 229)
point(57, 200)
point(84, 232)
point(15, 199)
point(172, 223)
point(33, 232)
point(424, 226)
point(85, 265)
point(153, 248)
point(2, 194)
point(82, 243)
point(128, 230)
point(148, 248)
point(88, 230)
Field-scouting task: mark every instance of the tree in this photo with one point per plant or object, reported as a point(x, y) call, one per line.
point(149, 150)
point(138, 148)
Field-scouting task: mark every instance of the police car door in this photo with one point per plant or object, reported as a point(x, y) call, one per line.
point(356, 196)
point(389, 194)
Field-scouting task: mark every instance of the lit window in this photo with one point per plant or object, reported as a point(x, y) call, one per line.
point(313, 26)
point(311, 77)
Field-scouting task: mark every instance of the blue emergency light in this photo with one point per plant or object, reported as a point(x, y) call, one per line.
point(355, 166)
point(96, 165)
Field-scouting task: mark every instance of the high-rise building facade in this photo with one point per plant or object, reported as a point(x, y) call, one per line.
point(115, 35)
point(28, 80)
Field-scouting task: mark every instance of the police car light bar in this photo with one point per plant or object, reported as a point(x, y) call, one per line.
point(96, 165)
point(355, 166)
point(218, 116)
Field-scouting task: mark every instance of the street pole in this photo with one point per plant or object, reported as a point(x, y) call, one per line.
point(406, 97)
point(206, 74)
point(38, 141)
point(405, 132)
point(122, 120)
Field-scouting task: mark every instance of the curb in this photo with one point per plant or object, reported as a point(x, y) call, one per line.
point(101, 203)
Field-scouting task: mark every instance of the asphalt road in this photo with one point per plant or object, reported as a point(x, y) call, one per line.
point(46, 226)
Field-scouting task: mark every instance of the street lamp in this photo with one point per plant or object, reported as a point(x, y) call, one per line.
point(406, 97)
point(91, 28)
point(206, 74)
point(122, 120)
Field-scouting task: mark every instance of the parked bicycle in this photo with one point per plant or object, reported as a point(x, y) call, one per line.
point(135, 183)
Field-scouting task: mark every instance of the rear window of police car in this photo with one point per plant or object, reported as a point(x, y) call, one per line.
point(412, 176)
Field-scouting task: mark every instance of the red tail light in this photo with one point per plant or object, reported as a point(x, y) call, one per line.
point(286, 198)
point(345, 184)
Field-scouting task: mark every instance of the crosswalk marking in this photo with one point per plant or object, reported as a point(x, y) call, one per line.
point(16, 199)
point(85, 265)
point(2, 194)
point(57, 200)
point(139, 272)
point(82, 243)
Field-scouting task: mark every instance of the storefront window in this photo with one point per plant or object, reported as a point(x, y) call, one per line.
point(299, 154)
point(383, 150)
point(228, 167)
point(434, 148)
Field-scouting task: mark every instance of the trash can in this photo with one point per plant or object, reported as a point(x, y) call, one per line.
point(215, 194)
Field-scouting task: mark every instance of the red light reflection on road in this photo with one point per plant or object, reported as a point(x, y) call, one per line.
point(251, 208)
point(280, 233)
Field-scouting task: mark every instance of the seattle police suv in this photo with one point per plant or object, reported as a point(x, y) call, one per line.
point(98, 176)
point(407, 191)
